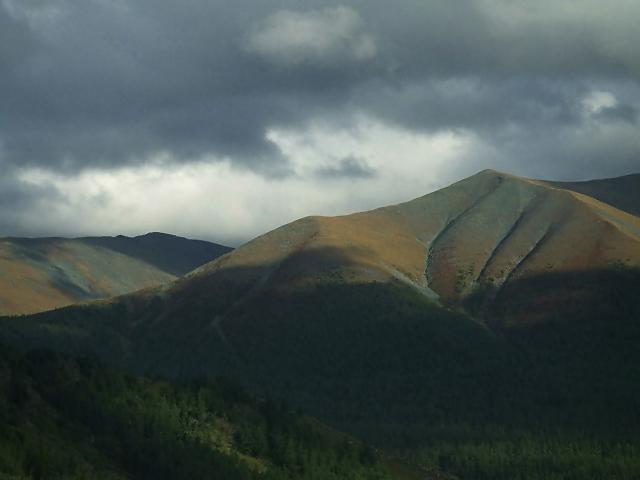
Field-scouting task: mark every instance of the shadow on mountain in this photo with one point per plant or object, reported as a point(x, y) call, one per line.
point(378, 359)
point(169, 253)
point(37, 251)
point(578, 300)
point(621, 192)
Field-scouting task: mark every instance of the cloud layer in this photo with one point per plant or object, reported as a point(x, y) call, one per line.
point(331, 37)
point(297, 96)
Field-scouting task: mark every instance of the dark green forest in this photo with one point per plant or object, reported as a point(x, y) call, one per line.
point(74, 418)
point(555, 396)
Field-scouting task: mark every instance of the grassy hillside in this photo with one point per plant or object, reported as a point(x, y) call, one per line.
point(66, 418)
point(490, 228)
point(621, 192)
point(45, 273)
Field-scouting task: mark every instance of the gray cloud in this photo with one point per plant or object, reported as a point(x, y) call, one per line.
point(318, 37)
point(350, 167)
point(102, 85)
point(623, 113)
point(15, 40)
point(19, 200)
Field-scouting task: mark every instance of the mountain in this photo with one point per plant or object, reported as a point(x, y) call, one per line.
point(477, 238)
point(620, 192)
point(498, 316)
point(38, 274)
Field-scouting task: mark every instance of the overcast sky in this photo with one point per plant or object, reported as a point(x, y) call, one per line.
point(223, 119)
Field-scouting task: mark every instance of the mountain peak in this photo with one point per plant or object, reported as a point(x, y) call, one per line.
point(498, 174)
point(491, 171)
point(157, 235)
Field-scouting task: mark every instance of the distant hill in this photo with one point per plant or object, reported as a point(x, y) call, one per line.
point(38, 274)
point(620, 192)
point(497, 314)
point(169, 253)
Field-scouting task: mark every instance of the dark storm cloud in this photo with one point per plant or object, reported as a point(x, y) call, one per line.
point(624, 113)
point(20, 199)
point(106, 84)
point(114, 83)
point(15, 40)
point(476, 103)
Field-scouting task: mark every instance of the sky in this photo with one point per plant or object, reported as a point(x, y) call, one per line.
point(223, 119)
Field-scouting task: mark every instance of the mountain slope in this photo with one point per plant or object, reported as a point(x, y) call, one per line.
point(620, 192)
point(465, 245)
point(473, 317)
point(492, 227)
point(480, 243)
point(44, 273)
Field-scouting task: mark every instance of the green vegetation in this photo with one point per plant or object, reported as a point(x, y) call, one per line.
point(65, 418)
point(575, 395)
point(555, 398)
point(547, 387)
point(462, 278)
point(497, 454)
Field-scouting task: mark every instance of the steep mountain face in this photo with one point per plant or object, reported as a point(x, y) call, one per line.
point(44, 273)
point(497, 300)
point(620, 192)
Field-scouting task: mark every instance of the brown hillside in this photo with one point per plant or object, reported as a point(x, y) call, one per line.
point(45, 273)
point(492, 228)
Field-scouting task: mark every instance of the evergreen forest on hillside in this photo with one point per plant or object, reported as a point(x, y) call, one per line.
point(432, 388)
point(75, 419)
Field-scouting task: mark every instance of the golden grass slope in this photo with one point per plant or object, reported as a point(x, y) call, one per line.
point(492, 227)
point(39, 275)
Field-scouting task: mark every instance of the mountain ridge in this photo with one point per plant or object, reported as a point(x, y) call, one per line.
point(38, 274)
point(621, 192)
